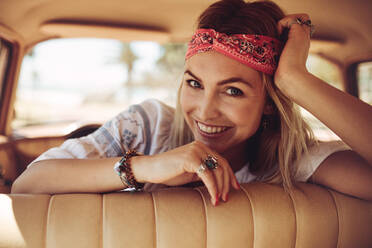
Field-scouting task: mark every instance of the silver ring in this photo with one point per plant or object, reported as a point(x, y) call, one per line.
point(299, 21)
point(307, 23)
point(201, 169)
point(310, 25)
point(312, 29)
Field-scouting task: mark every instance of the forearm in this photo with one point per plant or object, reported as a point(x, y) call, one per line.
point(345, 115)
point(69, 176)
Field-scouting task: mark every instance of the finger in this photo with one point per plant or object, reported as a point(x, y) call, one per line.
point(233, 179)
point(309, 27)
point(219, 176)
point(226, 184)
point(230, 173)
point(227, 172)
point(289, 20)
point(210, 182)
point(284, 23)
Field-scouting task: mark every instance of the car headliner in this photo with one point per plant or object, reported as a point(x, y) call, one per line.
point(343, 27)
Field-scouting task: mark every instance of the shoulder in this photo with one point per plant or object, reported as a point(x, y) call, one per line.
point(142, 115)
point(316, 154)
point(326, 148)
point(134, 128)
point(153, 108)
point(157, 119)
point(154, 114)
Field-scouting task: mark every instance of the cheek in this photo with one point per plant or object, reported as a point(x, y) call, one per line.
point(246, 115)
point(187, 99)
point(186, 104)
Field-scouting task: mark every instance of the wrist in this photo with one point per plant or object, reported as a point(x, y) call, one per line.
point(288, 82)
point(124, 170)
point(139, 168)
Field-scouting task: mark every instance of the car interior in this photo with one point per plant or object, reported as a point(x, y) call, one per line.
point(260, 215)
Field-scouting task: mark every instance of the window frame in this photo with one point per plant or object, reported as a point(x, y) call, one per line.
point(5, 84)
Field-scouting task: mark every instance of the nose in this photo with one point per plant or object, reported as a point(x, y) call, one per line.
point(208, 107)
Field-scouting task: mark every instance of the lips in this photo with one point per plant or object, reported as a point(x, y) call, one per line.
point(211, 131)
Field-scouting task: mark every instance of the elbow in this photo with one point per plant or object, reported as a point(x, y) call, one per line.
point(17, 187)
point(20, 187)
point(26, 183)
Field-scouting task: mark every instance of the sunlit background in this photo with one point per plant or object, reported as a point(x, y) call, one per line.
point(65, 83)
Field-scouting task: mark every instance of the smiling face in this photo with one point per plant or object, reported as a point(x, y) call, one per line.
point(222, 101)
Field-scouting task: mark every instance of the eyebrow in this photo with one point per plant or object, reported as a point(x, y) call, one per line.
point(225, 81)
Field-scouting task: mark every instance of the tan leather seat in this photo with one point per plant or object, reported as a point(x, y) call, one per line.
point(259, 215)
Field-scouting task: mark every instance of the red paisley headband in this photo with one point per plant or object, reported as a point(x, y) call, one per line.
point(256, 51)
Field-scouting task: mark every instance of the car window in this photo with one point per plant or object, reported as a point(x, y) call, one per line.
point(68, 81)
point(64, 81)
point(364, 76)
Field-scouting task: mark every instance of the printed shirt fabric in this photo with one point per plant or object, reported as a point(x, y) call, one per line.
point(146, 128)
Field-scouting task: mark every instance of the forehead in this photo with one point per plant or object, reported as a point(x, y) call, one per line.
point(215, 66)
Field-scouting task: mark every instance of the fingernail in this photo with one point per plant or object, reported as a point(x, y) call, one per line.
point(237, 184)
point(226, 197)
point(216, 202)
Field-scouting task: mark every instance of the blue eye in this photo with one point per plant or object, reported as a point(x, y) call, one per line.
point(194, 84)
point(234, 91)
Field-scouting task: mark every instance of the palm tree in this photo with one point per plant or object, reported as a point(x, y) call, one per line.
point(172, 59)
point(35, 77)
point(127, 57)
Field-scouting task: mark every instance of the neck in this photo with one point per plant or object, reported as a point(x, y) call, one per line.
point(237, 157)
point(240, 154)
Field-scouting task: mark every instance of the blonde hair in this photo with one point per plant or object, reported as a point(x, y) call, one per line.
point(288, 136)
point(279, 147)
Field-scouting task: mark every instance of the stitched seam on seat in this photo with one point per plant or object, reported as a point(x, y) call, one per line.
point(295, 214)
point(205, 216)
point(253, 215)
point(339, 218)
point(155, 219)
point(46, 224)
point(48, 218)
point(103, 197)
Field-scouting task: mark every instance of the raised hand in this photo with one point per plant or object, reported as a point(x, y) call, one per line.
point(295, 52)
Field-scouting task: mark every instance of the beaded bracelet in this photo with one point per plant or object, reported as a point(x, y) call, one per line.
point(124, 170)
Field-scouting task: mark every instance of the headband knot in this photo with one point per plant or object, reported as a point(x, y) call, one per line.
point(256, 51)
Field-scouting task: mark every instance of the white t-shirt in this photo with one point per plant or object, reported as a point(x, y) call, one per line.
point(146, 127)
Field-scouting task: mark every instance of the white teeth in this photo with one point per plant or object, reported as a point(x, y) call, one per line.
point(209, 129)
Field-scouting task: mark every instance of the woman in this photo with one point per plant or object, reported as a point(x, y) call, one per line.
point(235, 120)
